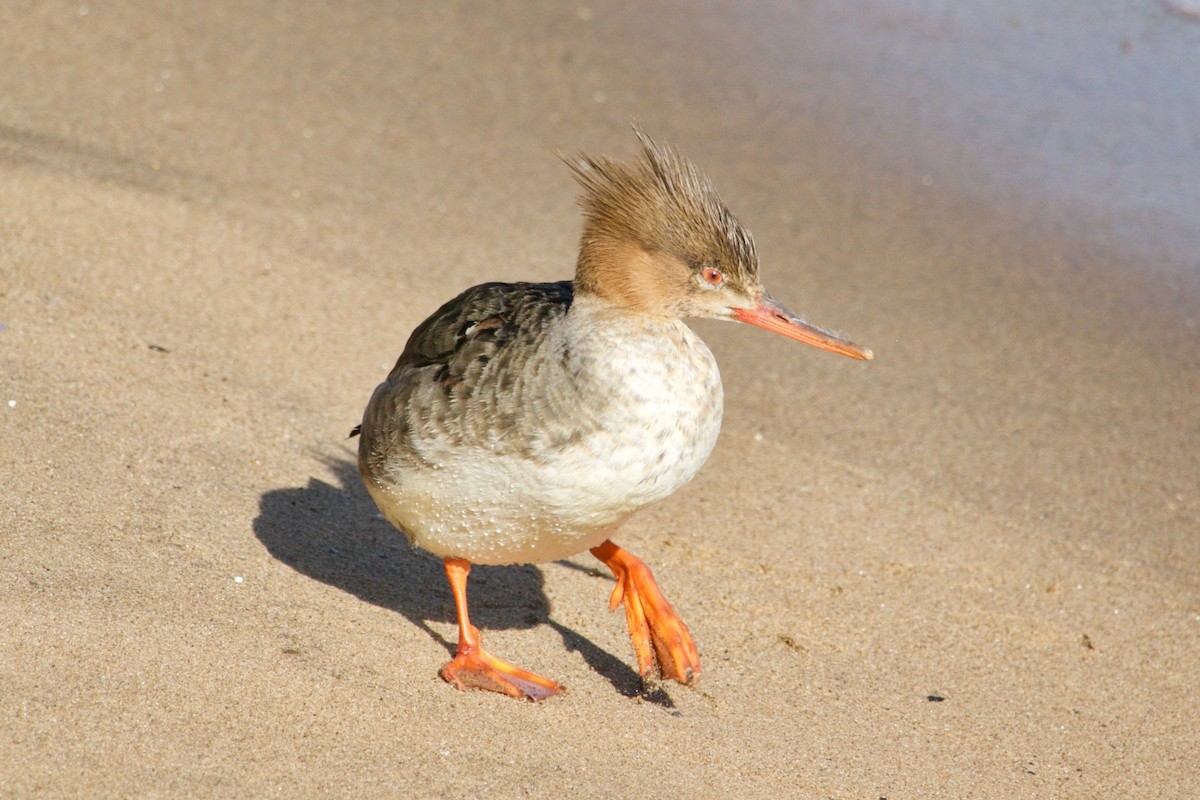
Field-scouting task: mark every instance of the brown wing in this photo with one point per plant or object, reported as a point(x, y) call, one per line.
point(480, 322)
point(439, 382)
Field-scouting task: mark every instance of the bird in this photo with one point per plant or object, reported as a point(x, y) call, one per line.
point(525, 422)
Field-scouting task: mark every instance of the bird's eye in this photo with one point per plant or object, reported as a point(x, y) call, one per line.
point(713, 276)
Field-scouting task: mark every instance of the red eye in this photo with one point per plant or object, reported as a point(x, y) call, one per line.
point(712, 276)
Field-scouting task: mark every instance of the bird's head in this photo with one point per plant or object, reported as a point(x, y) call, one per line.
point(658, 239)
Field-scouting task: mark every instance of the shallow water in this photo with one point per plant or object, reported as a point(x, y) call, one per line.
point(1085, 112)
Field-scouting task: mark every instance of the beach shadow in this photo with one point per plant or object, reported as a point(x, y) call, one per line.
point(335, 535)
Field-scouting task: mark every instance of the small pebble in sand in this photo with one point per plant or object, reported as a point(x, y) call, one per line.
point(12, 403)
point(238, 579)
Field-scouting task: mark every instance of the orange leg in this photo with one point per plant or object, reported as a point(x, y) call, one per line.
point(473, 667)
point(659, 635)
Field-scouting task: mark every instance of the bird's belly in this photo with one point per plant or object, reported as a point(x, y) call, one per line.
point(551, 503)
point(510, 509)
point(487, 509)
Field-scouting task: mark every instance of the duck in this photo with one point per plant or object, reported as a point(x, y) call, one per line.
point(526, 422)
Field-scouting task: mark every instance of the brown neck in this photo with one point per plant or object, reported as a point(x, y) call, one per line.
point(625, 274)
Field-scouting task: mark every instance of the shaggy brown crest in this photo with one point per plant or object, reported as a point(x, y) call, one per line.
point(660, 205)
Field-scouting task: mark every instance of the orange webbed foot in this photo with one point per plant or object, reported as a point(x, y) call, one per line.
point(660, 639)
point(475, 668)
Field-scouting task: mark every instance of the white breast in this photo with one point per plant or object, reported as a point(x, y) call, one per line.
point(657, 428)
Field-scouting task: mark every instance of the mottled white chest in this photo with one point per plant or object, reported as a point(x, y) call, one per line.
point(648, 405)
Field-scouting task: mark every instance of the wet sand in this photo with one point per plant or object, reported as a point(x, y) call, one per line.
point(967, 569)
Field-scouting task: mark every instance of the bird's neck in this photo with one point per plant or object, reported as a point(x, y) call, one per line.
point(626, 275)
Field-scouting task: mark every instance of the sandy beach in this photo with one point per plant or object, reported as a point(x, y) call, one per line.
point(970, 568)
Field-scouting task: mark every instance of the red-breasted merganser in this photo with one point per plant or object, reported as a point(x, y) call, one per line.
point(524, 422)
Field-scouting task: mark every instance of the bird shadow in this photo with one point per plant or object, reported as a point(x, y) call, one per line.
point(332, 533)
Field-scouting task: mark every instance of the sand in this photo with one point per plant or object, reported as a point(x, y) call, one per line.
point(967, 569)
